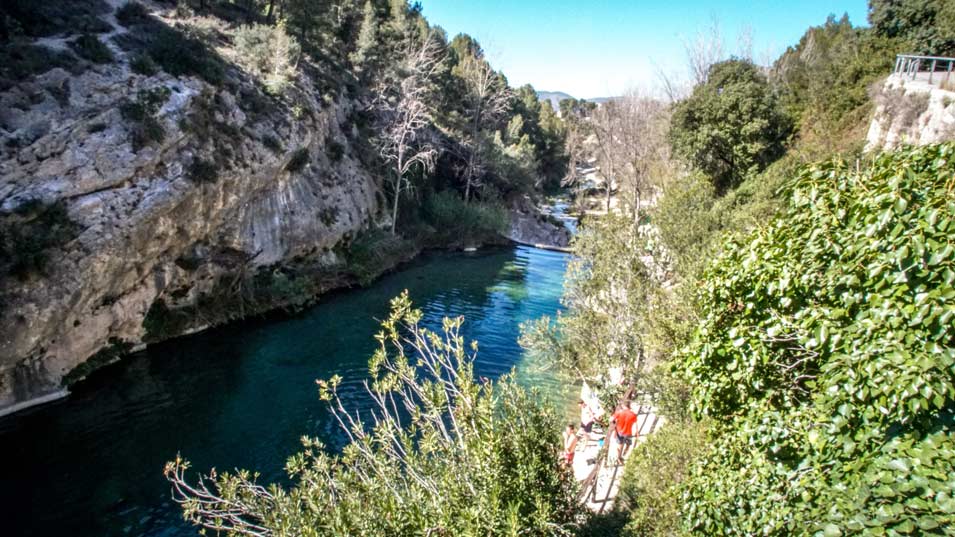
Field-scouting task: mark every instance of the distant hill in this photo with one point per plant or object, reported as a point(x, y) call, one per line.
point(555, 97)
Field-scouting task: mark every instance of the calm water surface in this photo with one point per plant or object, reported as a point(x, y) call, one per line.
point(242, 396)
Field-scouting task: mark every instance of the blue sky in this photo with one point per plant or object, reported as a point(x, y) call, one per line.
point(603, 47)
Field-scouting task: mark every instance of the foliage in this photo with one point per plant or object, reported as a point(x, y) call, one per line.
point(89, 47)
point(440, 454)
point(132, 13)
point(19, 61)
point(203, 171)
point(181, 52)
point(268, 53)
point(651, 487)
point(456, 220)
point(142, 112)
point(51, 17)
point(143, 64)
point(927, 25)
point(731, 126)
point(299, 159)
point(823, 81)
point(373, 251)
point(29, 232)
point(825, 356)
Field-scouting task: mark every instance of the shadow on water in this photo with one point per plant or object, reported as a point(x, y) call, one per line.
point(242, 395)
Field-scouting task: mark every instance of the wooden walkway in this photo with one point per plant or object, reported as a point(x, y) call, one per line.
point(597, 469)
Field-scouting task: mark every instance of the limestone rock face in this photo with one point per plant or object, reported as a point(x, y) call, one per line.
point(911, 112)
point(239, 184)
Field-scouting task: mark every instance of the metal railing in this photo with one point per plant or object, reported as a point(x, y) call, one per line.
point(912, 66)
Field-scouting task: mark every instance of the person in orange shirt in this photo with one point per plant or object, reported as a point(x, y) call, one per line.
point(624, 424)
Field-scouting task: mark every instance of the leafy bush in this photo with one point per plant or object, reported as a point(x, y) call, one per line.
point(18, 61)
point(268, 53)
point(132, 13)
point(335, 150)
point(300, 158)
point(181, 53)
point(143, 64)
point(463, 457)
point(651, 487)
point(373, 251)
point(89, 47)
point(731, 126)
point(453, 218)
point(50, 17)
point(28, 234)
point(826, 356)
point(203, 171)
point(142, 113)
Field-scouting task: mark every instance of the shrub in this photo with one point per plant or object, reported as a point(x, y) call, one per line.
point(29, 233)
point(203, 171)
point(825, 353)
point(455, 219)
point(19, 61)
point(143, 64)
point(142, 113)
point(335, 150)
point(180, 53)
point(651, 487)
point(300, 158)
point(132, 13)
point(268, 53)
point(372, 252)
point(272, 143)
point(463, 457)
point(89, 47)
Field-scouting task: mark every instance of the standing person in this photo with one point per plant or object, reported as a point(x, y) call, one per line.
point(586, 417)
point(624, 424)
point(570, 444)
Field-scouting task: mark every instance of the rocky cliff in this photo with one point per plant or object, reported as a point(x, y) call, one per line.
point(912, 112)
point(115, 235)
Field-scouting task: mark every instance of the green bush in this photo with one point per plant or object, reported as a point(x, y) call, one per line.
point(372, 252)
point(143, 64)
point(132, 13)
point(19, 61)
point(335, 150)
point(89, 47)
point(300, 158)
point(28, 234)
point(141, 112)
point(203, 171)
point(182, 53)
point(651, 487)
point(455, 219)
point(826, 357)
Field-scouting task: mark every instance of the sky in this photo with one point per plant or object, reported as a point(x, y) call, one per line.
point(601, 48)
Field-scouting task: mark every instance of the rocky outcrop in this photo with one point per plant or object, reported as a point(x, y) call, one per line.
point(530, 226)
point(911, 112)
point(242, 187)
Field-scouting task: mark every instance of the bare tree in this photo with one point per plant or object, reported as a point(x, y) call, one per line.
point(703, 50)
point(487, 100)
point(606, 129)
point(575, 148)
point(404, 113)
point(641, 147)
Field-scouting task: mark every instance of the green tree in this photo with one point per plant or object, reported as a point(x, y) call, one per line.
point(731, 126)
point(447, 455)
point(928, 26)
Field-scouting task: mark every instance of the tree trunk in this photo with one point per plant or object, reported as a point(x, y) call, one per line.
point(394, 209)
point(609, 180)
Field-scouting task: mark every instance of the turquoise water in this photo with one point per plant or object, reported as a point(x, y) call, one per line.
point(242, 396)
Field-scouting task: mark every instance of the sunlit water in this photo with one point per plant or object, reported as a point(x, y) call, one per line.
point(241, 396)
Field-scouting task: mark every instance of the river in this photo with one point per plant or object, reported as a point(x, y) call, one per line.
point(241, 396)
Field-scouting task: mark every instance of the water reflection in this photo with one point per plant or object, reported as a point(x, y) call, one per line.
point(241, 396)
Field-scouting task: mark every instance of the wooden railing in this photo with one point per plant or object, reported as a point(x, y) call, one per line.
point(912, 66)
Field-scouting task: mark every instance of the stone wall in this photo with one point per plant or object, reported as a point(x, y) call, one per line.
point(911, 112)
